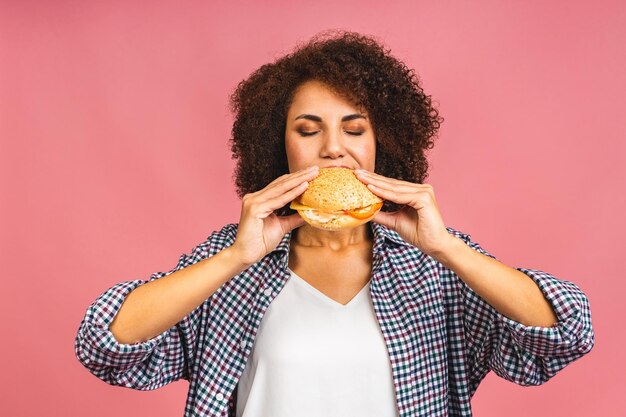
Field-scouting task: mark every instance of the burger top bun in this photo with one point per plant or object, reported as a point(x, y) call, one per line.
point(337, 188)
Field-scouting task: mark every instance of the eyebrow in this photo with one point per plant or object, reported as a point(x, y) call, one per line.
point(319, 119)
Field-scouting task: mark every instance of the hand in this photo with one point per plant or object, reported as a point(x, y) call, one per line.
point(419, 222)
point(260, 230)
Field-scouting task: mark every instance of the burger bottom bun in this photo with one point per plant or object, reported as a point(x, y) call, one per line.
point(337, 222)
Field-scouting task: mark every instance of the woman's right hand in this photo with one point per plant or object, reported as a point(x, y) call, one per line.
point(260, 230)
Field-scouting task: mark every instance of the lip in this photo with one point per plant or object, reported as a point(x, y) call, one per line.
point(337, 166)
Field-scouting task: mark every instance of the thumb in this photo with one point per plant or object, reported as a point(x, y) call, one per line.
point(385, 218)
point(288, 223)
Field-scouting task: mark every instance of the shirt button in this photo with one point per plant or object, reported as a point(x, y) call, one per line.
point(243, 344)
point(268, 292)
point(219, 396)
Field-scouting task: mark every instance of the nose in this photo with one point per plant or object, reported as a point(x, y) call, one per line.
point(332, 145)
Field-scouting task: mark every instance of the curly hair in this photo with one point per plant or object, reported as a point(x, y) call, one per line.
point(354, 66)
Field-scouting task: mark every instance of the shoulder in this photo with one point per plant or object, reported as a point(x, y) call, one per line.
point(222, 238)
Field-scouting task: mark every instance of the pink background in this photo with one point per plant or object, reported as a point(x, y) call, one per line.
point(114, 161)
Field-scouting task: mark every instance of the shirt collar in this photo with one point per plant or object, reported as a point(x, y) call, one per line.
point(382, 235)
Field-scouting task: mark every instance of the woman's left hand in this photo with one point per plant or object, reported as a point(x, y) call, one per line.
point(419, 222)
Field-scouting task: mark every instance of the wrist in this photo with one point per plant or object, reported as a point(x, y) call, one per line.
point(235, 257)
point(448, 250)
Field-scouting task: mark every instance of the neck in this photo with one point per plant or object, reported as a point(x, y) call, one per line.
point(335, 240)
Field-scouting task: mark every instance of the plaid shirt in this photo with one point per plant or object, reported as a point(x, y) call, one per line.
point(442, 338)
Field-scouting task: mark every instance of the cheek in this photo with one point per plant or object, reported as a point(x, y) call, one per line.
point(368, 151)
point(296, 153)
point(293, 148)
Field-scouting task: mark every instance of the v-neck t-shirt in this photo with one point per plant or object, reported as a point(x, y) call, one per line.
point(314, 356)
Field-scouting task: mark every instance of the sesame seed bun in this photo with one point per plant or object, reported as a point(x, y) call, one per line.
point(331, 194)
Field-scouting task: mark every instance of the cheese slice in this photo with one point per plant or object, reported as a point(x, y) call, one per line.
point(297, 206)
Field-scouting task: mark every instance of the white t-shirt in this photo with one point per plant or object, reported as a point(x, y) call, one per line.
point(314, 356)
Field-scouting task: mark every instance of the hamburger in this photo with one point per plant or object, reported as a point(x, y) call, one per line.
point(336, 199)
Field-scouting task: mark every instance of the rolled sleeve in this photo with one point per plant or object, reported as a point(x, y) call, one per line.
point(572, 335)
point(95, 344)
point(527, 355)
point(149, 364)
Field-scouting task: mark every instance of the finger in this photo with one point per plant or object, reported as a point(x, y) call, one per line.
point(372, 176)
point(274, 190)
point(369, 177)
point(286, 177)
point(283, 178)
point(282, 199)
point(288, 223)
point(392, 195)
point(386, 219)
point(279, 190)
point(396, 185)
point(264, 202)
point(400, 187)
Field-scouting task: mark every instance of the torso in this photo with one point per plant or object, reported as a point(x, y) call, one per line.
point(340, 275)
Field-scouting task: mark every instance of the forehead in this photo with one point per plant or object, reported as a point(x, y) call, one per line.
point(315, 96)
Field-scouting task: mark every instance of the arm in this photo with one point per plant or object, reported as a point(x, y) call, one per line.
point(511, 292)
point(492, 295)
point(160, 323)
point(156, 306)
point(509, 329)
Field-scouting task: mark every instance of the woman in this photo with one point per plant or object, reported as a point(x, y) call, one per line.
point(271, 317)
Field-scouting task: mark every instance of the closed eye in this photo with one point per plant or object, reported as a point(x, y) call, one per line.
point(353, 133)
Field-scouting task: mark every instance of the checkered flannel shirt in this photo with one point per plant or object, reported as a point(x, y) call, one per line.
point(442, 338)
